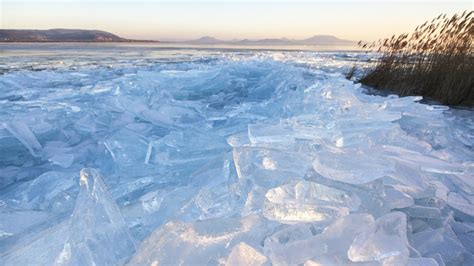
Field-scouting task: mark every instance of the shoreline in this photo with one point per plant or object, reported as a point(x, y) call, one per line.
point(183, 46)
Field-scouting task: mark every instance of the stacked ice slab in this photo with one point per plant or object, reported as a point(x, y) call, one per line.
point(228, 159)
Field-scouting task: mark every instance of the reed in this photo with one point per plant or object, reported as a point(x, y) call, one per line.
point(435, 61)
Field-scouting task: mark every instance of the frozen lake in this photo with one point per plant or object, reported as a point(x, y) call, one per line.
point(138, 154)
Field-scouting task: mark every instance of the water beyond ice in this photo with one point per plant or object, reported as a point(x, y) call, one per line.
point(122, 154)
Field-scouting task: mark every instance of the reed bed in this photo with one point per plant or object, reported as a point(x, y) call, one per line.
point(435, 61)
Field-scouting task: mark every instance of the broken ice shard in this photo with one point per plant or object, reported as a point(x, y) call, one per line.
point(385, 241)
point(352, 166)
point(460, 204)
point(305, 201)
point(201, 242)
point(243, 254)
point(23, 133)
point(298, 243)
point(95, 234)
point(442, 241)
point(98, 233)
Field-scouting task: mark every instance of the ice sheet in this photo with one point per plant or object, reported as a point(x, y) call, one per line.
point(225, 157)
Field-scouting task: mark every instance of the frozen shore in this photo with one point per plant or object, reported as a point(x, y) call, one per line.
point(218, 157)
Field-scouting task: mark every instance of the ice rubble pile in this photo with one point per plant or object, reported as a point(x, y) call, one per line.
point(236, 160)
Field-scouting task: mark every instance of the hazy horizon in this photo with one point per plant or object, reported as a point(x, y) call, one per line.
point(182, 20)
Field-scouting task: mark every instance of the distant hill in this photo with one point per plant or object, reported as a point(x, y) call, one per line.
point(205, 40)
point(61, 35)
point(315, 40)
point(326, 40)
point(282, 41)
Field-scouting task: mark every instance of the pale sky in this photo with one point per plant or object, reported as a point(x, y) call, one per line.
point(178, 20)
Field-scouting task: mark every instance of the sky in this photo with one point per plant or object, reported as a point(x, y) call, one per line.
point(182, 20)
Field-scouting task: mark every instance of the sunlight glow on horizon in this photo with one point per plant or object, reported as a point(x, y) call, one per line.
point(163, 20)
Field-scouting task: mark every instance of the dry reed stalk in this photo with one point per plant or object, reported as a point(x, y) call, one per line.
point(435, 61)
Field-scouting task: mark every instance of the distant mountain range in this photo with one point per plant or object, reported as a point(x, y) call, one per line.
point(77, 35)
point(61, 35)
point(315, 40)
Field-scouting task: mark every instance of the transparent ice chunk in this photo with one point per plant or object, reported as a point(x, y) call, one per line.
point(305, 201)
point(385, 241)
point(95, 233)
point(442, 241)
point(23, 133)
point(353, 167)
point(243, 254)
point(459, 203)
